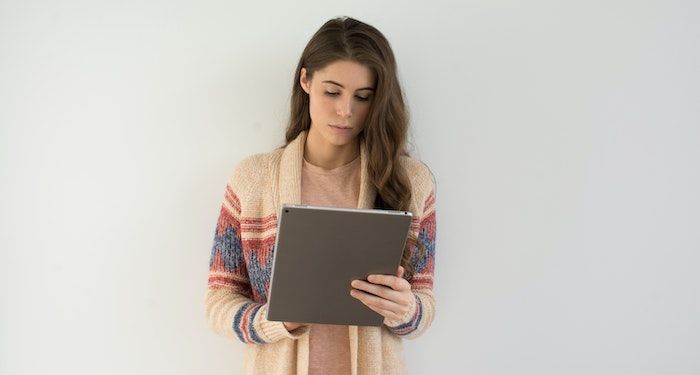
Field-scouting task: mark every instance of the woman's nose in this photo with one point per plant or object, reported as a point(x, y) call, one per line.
point(344, 108)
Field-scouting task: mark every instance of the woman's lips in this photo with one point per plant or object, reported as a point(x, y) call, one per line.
point(341, 128)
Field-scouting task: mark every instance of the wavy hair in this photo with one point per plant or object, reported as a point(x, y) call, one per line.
point(386, 126)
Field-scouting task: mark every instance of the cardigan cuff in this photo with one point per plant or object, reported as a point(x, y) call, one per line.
point(406, 318)
point(274, 331)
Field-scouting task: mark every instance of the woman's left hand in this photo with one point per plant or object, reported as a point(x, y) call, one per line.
point(390, 296)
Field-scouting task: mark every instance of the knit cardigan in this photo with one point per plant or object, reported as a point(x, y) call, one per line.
point(241, 263)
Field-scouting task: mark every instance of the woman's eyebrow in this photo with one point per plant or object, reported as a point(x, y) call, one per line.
point(338, 84)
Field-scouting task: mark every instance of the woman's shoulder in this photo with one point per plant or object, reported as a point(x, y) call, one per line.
point(417, 170)
point(421, 178)
point(254, 169)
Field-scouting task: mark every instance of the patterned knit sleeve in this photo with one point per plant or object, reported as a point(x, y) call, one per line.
point(422, 311)
point(230, 309)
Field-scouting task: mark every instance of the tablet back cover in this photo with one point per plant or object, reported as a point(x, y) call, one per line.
point(320, 250)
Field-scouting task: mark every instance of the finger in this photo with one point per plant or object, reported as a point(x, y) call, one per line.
point(378, 290)
point(367, 301)
point(292, 326)
point(391, 281)
point(388, 315)
point(401, 272)
point(377, 302)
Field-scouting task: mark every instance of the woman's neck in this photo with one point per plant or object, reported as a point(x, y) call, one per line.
point(321, 153)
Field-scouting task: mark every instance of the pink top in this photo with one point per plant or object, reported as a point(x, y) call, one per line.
point(329, 345)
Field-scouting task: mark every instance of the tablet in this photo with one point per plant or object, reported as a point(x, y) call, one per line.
point(320, 250)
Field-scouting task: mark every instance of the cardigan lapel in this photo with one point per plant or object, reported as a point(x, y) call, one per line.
point(289, 181)
point(290, 171)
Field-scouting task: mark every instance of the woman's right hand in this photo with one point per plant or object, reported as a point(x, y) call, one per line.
point(292, 326)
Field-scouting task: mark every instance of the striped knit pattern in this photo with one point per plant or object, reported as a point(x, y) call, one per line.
point(241, 263)
point(412, 324)
point(243, 323)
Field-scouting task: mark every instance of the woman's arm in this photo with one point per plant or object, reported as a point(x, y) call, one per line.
point(408, 307)
point(230, 311)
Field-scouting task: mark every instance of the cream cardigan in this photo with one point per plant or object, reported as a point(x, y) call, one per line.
point(240, 266)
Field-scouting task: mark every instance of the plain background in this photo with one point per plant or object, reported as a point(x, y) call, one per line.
point(564, 137)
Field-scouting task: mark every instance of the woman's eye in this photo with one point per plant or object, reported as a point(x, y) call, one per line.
point(360, 98)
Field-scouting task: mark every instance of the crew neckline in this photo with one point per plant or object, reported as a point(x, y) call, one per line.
point(337, 170)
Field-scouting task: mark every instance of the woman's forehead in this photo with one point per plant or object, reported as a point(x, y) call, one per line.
point(347, 74)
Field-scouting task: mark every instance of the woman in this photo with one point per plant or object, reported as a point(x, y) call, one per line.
point(345, 147)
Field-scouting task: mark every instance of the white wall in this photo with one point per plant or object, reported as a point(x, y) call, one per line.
point(564, 137)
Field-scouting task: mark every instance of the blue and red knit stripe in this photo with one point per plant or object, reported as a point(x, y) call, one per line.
point(243, 323)
point(413, 323)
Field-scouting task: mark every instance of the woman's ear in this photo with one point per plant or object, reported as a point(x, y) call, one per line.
point(303, 81)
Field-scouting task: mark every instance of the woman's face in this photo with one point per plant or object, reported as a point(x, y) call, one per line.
point(339, 99)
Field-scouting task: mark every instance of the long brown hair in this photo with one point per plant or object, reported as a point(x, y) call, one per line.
point(386, 125)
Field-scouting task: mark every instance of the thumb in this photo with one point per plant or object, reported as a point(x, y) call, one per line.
point(401, 271)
